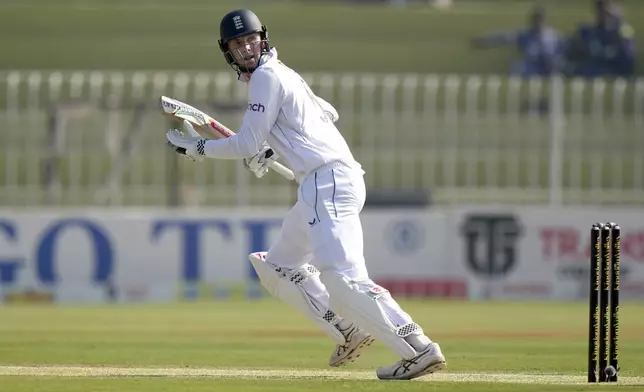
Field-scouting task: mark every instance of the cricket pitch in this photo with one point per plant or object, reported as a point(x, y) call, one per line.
point(288, 374)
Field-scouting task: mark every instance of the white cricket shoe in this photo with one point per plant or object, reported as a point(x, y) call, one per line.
point(429, 361)
point(356, 341)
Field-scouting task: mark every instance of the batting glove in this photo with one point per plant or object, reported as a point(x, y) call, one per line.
point(190, 147)
point(259, 163)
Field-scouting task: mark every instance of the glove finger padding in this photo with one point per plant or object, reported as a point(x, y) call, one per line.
point(178, 150)
point(184, 146)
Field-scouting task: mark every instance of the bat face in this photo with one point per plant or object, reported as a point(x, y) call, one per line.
point(196, 117)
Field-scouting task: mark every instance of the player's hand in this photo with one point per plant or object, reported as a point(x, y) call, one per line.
point(260, 162)
point(189, 146)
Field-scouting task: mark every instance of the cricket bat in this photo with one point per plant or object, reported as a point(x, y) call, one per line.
point(208, 127)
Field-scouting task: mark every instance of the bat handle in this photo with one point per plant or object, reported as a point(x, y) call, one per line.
point(282, 170)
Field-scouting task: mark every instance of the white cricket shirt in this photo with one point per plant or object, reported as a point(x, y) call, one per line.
point(283, 111)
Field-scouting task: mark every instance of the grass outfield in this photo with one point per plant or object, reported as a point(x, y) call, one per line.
point(265, 346)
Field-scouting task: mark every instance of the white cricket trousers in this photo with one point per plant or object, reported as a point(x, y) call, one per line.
point(323, 228)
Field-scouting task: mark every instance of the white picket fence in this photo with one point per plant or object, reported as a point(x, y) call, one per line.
point(65, 135)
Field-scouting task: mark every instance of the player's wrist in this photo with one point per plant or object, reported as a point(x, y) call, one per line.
point(208, 148)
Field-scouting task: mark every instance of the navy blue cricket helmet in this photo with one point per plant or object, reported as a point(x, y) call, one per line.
point(236, 24)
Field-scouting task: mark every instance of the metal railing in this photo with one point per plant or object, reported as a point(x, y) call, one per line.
point(96, 138)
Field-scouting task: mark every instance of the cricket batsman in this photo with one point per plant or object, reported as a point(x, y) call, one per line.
point(317, 264)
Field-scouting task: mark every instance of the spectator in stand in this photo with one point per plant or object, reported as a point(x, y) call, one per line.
point(603, 48)
point(541, 46)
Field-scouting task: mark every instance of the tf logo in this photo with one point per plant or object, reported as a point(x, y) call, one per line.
point(490, 242)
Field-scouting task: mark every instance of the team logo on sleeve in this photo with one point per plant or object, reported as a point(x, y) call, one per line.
point(256, 107)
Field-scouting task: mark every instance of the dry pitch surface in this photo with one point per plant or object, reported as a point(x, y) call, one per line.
point(290, 374)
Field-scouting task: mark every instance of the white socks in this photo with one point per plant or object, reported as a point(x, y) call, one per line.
point(418, 341)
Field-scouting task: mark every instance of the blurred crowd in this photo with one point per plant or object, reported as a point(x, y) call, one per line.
point(601, 48)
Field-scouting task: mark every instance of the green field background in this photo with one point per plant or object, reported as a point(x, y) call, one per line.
point(503, 338)
point(311, 35)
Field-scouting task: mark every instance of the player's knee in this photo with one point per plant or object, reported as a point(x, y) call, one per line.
point(338, 284)
point(352, 271)
point(372, 289)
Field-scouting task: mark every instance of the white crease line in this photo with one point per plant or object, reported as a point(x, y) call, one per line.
point(288, 374)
